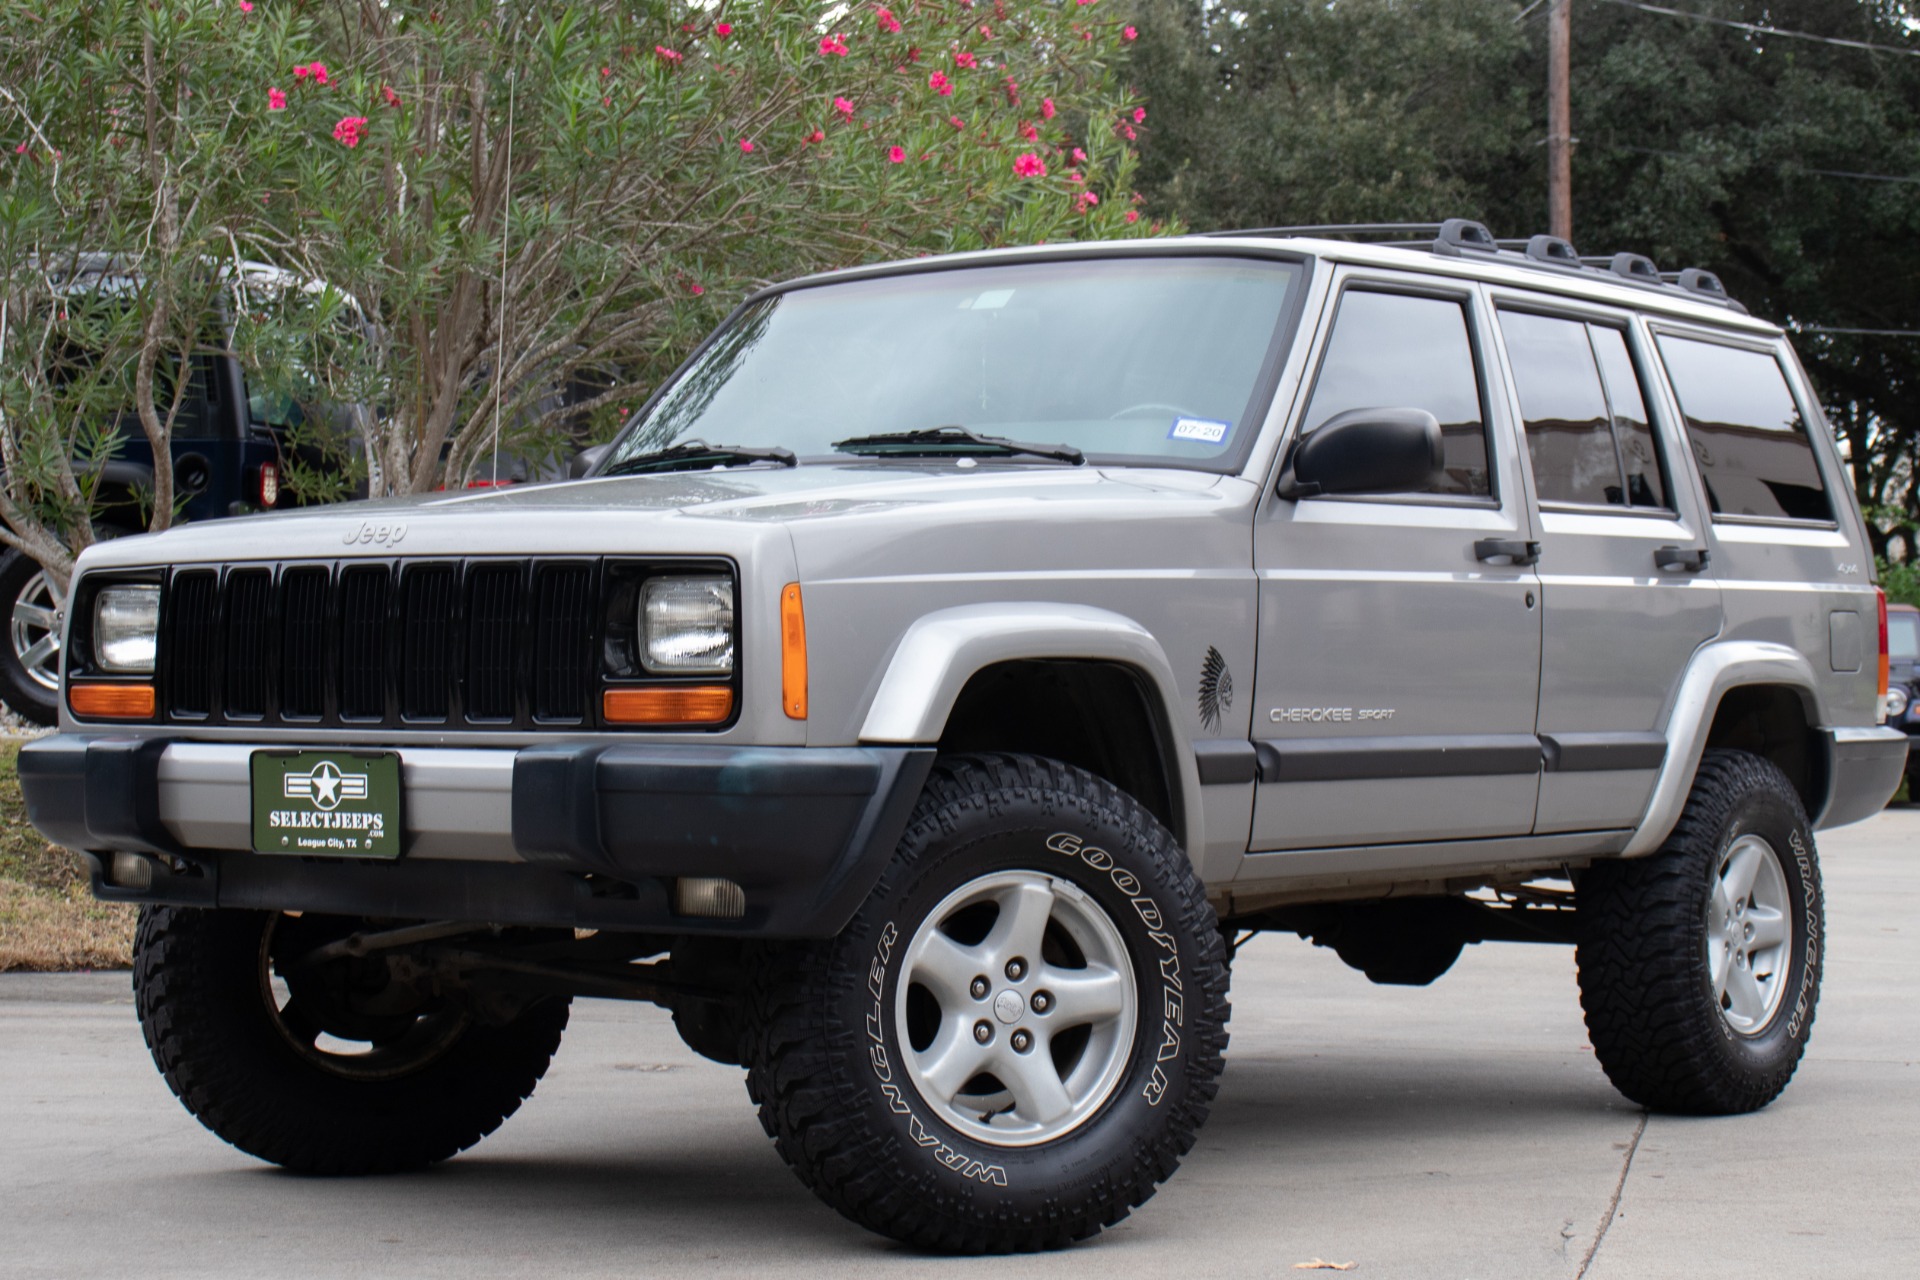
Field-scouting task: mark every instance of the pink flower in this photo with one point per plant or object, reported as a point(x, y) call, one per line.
point(723, 29)
point(1046, 108)
point(666, 55)
point(834, 46)
point(818, 135)
point(965, 60)
point(1085, 201)
point(1079, 156)
point(896, 155)
point(1139, 115)
point(392, 98)
point(318, 70)
point(1083, 2)
point(1028, 132)
point(246, 6)
point(957, 122)
point(1074, 175)
point(276, 100)
point(939, 83)
point(1129, 34)
point(1029, 165)
point(986, 32)
point(696, 289)
point(844, 107)
point(605, 72)
point(350, 130)
point(888, 23)
point(1013, 91)
point(1127, 129)
point(300, 73)
point(20, 150)
point(746, 146)
point(1133, 215)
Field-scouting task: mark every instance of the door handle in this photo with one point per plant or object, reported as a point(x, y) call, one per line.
point(1511, 552)
point(1693, 561)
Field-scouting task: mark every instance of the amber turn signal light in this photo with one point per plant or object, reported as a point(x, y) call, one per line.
point(673, 704)
point(112, 701)
point(793, 653)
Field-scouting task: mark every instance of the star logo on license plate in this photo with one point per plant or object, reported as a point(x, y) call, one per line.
point(325, 786)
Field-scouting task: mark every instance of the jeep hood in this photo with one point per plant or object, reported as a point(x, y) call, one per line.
point(708, 512)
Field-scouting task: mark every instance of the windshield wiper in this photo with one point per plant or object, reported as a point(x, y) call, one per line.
point(693, 455)
point(936, 441)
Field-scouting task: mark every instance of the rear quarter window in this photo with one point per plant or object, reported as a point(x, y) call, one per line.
point(1746, 430)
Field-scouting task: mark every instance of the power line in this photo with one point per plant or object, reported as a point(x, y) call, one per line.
point(1759, 29)
point(1824, 173)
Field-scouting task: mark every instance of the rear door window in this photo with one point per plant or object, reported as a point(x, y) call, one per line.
point(1586, 419)
point(1746, 430)
point(1408, 351)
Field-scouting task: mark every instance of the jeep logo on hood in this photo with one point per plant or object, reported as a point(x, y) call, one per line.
point(385, 534)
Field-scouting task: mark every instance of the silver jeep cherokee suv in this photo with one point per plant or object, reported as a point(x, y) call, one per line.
point(952, 660)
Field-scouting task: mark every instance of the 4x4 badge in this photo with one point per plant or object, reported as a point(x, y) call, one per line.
point(1216, 688)
point(325, 786)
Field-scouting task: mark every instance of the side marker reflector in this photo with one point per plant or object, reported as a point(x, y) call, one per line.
point(793, 653)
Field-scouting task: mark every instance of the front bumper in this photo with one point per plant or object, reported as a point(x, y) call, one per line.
point(580, 835)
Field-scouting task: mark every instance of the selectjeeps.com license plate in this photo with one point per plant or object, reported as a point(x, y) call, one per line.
point(330, 804)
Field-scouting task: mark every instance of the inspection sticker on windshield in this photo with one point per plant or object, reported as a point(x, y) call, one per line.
point(1204, 430)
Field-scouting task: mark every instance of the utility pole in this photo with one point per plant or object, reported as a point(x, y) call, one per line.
point(1559, 119)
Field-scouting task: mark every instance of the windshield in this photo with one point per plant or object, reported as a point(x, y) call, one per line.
point(1149, 360)
point(1903, 636)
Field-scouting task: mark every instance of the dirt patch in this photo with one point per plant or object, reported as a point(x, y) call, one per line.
point(48, 919)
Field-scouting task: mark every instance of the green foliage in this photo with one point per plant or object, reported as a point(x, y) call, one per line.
point(1900, 580)
point(495, 225)
point(1697, 144)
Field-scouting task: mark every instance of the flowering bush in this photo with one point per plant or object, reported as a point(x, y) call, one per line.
point(538, 208)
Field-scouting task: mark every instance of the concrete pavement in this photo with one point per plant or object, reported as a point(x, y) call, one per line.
point(1461, 1130)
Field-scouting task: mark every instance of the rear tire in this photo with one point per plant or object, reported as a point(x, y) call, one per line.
point(1017, 1036)
point(1700, 964)
point(273, 1080)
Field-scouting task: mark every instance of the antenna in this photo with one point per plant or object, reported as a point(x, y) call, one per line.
point(506, 222)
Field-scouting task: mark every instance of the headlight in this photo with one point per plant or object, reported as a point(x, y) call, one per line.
point(1896, 702)
point(687, 624)
point(126, 627)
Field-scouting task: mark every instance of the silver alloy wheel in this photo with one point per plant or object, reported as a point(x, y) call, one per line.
point(1017, 1031)
point(36, 632)
point(1749, 935)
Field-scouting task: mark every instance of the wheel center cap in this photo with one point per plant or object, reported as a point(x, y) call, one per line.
point(1008, 1006)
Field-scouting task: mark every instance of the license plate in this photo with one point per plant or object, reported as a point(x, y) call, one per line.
point(330, 804)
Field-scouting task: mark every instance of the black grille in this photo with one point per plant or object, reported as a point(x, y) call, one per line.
point(483, 642)
point(563, 642)
point(192, 646)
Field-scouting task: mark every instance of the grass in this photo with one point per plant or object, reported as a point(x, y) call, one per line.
point(48, 920)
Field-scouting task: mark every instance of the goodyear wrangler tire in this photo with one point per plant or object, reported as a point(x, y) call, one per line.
point(1018, 1035)
point(285, 1067)
point(1700, 964)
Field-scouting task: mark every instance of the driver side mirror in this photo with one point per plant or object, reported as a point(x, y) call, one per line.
point(586, 460)
point(1366, 451)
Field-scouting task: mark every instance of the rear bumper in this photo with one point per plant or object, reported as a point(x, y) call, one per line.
point(1868, 765)
point(581, 835)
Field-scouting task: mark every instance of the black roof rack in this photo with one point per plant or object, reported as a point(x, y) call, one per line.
point(1465, 238)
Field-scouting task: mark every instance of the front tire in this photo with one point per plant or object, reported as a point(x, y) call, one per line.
point(323, 1070)
point(1700, 964)
point(1018, 1035)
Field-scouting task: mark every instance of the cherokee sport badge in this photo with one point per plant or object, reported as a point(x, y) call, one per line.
point(330, 804)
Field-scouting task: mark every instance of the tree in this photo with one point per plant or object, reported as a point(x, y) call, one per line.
point(503, 218)
point(1788, 166)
